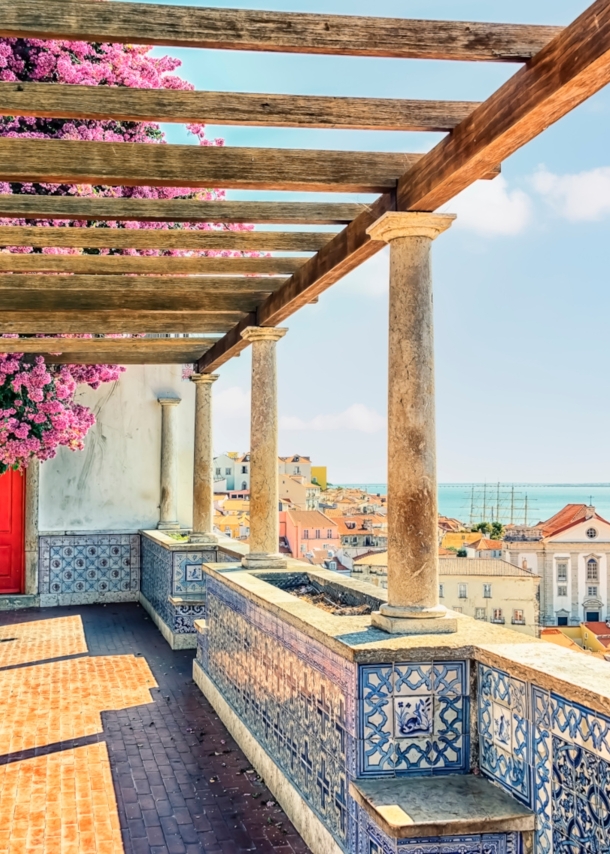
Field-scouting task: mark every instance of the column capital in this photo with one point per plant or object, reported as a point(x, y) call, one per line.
point(169, 401)
point(263, 333)
point(203, 378)
point(394, 224)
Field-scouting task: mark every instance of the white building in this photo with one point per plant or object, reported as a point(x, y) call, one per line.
point(570, 552)
point(232, 470)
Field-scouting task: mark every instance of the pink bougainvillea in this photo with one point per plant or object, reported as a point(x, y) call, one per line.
point(37, 408)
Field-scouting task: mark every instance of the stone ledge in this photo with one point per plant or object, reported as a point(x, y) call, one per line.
point(420, 807)
point(577, 677)
point(18, 601)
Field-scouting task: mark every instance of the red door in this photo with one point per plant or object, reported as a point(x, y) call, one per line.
point(12, 523)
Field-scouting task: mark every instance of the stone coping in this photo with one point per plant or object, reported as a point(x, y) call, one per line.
point(225, 544)
point(188, 599)
point(574, 675)
point(420, 807)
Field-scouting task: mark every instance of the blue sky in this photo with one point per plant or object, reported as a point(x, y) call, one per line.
point(521, 283)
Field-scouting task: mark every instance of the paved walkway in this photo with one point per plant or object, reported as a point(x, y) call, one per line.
point(108, 746)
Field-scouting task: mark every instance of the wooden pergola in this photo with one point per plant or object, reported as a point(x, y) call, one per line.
point(222, 296)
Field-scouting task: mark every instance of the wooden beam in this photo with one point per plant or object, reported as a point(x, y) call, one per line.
point(175, 238)
point(244, 29)
point(114, 321)
point(135, 300)
point(124, 351)
point(574, 66)
point(346, 251)
point(204, 286)
point(54, 100)
point(142, 164)
point(164, 265)
point(176, 210)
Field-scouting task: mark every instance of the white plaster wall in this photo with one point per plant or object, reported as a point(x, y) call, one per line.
point(532, 561)
point(113, 485)
point(583, 584)
point(578, 533)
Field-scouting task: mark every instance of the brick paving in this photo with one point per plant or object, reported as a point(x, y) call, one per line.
point(108, 746)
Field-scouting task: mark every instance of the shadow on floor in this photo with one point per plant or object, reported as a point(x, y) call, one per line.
point(162, 776)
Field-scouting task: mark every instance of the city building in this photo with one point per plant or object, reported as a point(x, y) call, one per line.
point(299, 491)
point(570, 553)
point(489, 589)
point(484, 548)
point(363, 532)
point(319, 476)
point(232, 470)
point(307, 530)
point(593, 638)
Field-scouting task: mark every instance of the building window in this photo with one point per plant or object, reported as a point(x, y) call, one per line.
point(329, 533)
point(457, 610)
point(562, 590)
point(591, 533)
point(244, 469)
point(562, 570)
point(441, 591)
point(592, 570)
point(227, 471)
point(463, 591)
point(218, 471)
point(480, 613)
point(306, 535)
point(592, 591)
point(487, 591)
point(332, 564)
point(303, 547)
point(497, 616)
point(562, 621)
point(318, 535)
point(518, 617)
point(297, 470)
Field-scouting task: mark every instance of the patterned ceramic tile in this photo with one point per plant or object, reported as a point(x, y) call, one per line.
point(505, 730)
point(292, 694)
point(372, 840)
point(88, 564)
point(414, 719)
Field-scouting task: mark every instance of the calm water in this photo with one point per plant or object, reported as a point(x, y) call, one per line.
point(477, 501)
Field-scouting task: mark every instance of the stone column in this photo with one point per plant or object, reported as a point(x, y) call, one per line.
point(264, 493)
point(413, 578)
point(203, 474)
point(168, 520)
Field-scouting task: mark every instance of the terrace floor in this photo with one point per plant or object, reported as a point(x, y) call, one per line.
point(108, 746)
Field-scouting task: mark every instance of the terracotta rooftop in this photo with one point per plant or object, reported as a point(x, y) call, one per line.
point(311, 519)
point(483, 566)
point(570, 515)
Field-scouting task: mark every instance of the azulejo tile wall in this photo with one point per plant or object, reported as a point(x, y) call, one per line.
point(296, 697)
point(414, 719)
point(372, 840)
point(561, 748)
point(168, 573)
point(87, 568)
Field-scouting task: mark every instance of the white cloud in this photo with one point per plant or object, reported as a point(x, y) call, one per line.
point(584, 196)
point(233, 402)
point(357, 417)
point(490, 208)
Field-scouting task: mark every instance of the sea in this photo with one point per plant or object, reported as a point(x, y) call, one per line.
point(521, 503)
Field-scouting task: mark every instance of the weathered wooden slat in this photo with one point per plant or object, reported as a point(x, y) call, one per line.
point(135, 300)
point(176, 210)
point(134, 238)
point(244, 29)
point(566, 72)
point(53, 100)
point(142, 164)
point(164, 265)
point(346, 251)
point(575, 65)
point(124, 351)
point(202, 285)
point(113, 321)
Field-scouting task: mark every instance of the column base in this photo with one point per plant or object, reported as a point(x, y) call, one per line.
point(264, 561)
point(168, 526)
point(406, 621)
point(209, 539)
